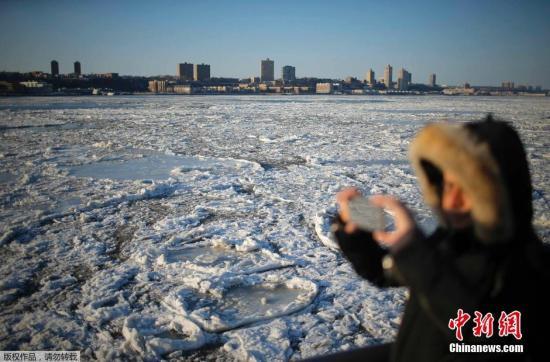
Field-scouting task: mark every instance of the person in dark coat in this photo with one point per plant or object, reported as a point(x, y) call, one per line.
point(483, 257)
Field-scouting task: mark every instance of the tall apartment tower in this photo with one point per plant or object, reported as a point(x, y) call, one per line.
point(388, 76)
point(289, 73)
point(185, 71)
point(403, 79)
point(431, 80)
point(370, 77)
point(201, 72)
point(55, 67)
point(267, 71)
point(77, 69)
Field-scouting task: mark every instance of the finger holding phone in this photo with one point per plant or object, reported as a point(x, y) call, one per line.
point(359, 213)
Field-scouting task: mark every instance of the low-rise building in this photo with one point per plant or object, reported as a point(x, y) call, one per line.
point(459, 91)
point(323, 88)
point(157, 86)
point(36, 87)
point(508, 85)
point(183, 89)
point(35, 84)
point(104, 75)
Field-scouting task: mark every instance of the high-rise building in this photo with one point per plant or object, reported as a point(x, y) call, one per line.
point(370, 78)
point(388, 77)
point(77, 69)
point(431, 80)
point(55, 67)
point(201, 72)
point(185, 71)
point(403, 79)
point(289, 73)
point(267, 73)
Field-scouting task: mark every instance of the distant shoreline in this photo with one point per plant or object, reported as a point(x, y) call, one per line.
point(528, 95)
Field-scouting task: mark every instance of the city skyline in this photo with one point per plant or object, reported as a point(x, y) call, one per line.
point(466, 42)
point(201, 72)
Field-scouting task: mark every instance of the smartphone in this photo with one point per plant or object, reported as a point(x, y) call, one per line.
point(366, 215)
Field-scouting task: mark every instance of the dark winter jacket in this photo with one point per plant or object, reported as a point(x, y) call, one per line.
point(497, 265)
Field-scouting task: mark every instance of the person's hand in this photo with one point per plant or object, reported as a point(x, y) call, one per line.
point(342, 199)
point(405, 226)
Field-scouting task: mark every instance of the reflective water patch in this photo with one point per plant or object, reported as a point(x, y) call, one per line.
point(151, 165)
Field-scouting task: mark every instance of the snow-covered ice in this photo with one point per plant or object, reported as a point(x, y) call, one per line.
point(232, 302)
point(199, 227)
point(158, 335)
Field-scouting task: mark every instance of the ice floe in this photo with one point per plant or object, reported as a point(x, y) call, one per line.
point(155, 336)
point(217, 258)
point(238, 301)
point(323, 221)
point(151, 165)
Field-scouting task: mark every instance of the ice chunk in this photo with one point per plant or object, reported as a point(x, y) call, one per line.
point(268, 342)
point(154, 336)
point(50, 330)
point(381, 314)
point(182, 223)
point(103, 295)
point(241, 303)
point(322, 221)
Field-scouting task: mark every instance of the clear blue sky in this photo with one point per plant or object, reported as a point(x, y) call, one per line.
point(483, 42)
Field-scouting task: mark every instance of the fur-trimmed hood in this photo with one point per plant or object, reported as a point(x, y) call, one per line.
point(490, 163)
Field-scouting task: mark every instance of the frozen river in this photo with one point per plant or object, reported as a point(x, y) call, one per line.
point(197, 227)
